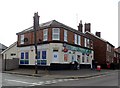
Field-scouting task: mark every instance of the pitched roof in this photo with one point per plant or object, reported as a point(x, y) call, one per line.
point(15, 43)
point(98, 38)
point(2, 46)
point(52, 23)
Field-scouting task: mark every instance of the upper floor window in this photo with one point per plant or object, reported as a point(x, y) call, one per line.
point(45, 34)
point(55, 34)
point(21, 39)
point(88, 43)
point(108, 48)
point(65, 35)
point(79, 40)
point(85, 42)
point(75, 38)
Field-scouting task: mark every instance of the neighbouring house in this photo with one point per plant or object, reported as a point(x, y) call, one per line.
point(2, 48)
point(57, 44)
point(10, 57)
point(116, 56)
point(103, 50)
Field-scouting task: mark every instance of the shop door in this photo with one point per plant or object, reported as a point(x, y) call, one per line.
point(55, 57)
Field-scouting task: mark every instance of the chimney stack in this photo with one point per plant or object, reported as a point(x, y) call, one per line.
point(87, 27)
point(80, 27)
point(98, 34)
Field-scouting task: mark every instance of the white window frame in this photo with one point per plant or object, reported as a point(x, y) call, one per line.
point(79, 40)
point(21, 39)
point(75, 38)
point(85, 42)
point(53, 33)
point(88, 43)
point(45, 34)
point(65, 35)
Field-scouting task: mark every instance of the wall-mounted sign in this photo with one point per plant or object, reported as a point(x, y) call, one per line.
point(78, 49)
point(55, 57)
point(65, 49)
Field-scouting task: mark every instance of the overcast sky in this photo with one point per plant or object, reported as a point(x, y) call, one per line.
point(17, 15)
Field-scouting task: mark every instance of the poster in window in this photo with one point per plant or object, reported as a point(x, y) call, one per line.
point(65, 57)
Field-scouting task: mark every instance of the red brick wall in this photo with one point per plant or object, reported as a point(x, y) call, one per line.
point(100, 47)
point(30, 36)
point(61, 34)
point(39, 36)
point(82, 41)
point(50, 34)
point(70, 37)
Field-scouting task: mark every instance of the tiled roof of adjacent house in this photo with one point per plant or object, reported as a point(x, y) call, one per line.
point(98, 38)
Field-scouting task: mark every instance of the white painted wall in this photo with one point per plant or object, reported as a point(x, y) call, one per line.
point(12, 50)
point(49, 53)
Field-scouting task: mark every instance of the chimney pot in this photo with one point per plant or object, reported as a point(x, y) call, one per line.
point(87, 27)
point(80, 27)
point(98, 34)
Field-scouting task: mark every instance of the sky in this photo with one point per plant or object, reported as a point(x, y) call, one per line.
point(17, 15)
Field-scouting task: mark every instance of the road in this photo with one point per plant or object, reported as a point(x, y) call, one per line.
point(103, 80)
point(21, 80)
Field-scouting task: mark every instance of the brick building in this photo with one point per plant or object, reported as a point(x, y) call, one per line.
point(57, 44)
point(117, 55)
point(103, 50)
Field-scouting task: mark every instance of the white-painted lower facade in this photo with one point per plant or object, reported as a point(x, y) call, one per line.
point(54, 53)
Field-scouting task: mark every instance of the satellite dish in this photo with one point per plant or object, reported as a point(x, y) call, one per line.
point(25, 39)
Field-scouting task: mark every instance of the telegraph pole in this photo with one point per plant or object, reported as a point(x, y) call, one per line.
point(35, 26)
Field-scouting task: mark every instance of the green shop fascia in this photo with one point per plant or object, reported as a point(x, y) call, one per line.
point(79, 49)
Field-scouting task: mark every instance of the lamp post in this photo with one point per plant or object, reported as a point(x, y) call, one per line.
point(36, 26)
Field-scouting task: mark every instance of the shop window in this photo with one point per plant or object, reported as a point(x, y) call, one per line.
point(87, 59)
point(38, 62)
point(43, 54)
point(83, 58)
point(26, 61)
point(26, 55)
point(21, 61)
point(24, 58)
point(38, 55)
point(43, 62)
point(78, 58)
point(22, 55)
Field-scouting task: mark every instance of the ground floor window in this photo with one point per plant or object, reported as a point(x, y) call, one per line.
point(24, 58)
point(78, 58)
point(83, 58)
point(65, 57)
point(41, 58)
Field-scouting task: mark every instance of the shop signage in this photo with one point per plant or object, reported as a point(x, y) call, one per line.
point(78, 49)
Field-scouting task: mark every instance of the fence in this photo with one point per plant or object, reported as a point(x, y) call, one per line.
point(10, 64)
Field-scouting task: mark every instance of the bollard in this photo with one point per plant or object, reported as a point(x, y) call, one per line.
point(98, 68)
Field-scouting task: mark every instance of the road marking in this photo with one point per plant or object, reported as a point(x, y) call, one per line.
point(60, 80)
point(18, 81)
point(47, 82)
point(41, 82)
point(54, 81)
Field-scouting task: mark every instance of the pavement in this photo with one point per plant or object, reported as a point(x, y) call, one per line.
point(56, 74)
